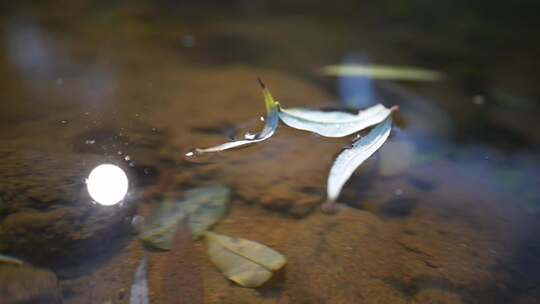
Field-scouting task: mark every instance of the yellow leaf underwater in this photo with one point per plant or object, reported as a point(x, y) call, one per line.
point(245, 262)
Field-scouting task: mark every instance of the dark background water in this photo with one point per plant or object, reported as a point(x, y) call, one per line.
point(451, 202)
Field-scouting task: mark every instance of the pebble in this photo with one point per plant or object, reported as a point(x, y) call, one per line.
point(330, 207)
point(137, 223)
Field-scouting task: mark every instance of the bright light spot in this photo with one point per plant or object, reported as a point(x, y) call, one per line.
point(107, 184)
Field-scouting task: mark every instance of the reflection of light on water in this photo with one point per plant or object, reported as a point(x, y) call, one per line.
point(397, 156)
point(39, 60)
point(356, 92)
point(107, 184)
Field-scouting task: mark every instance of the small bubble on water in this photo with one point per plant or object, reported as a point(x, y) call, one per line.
point(90, 141)
point(63, 122)
point(195, 156)
point(119, 152)
point(132, 164)
point(478, 100)
point(137, 223)
point(188, 41)
point(261, 118)
point(127, 158)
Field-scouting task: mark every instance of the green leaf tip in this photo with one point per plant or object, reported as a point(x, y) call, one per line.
point(261, 83)
point(269, 101)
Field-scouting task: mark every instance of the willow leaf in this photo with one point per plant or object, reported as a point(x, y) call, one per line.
point(245, 262)
point(271, 124)
point(347, 162)
point(334, 123)
point(382, 72)
point(139, 288)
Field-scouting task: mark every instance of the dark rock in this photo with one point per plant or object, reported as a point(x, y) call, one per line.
point(330, 207)
point(45, 205)
point(26, 285)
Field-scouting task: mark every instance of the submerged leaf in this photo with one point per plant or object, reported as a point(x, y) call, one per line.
point(271, 124)
point(382, 72)
point(335, 123)
point(202, 207)
point(159, 231)
point(350, 159)
point(10, 260)
point(247, 263)
point(139, 288)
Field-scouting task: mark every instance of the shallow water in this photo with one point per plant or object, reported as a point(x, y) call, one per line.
point(446, 212)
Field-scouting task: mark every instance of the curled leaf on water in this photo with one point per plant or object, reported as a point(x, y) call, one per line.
point(348, 160)
point(271, 124)
point(386, 72)
point(201, 208)
point(245, 262)
point(10, 260)
point(139, 289)
point(334, 123)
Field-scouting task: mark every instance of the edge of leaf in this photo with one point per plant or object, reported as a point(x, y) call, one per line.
point(269, 101)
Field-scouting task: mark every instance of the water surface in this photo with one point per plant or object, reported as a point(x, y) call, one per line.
point(445, 212)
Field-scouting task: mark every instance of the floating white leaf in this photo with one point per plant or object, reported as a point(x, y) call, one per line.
point(139, 288)
point(382, 72)
point(245, 262)
point(334, 123)
point(347, 162)
point(271, 124)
